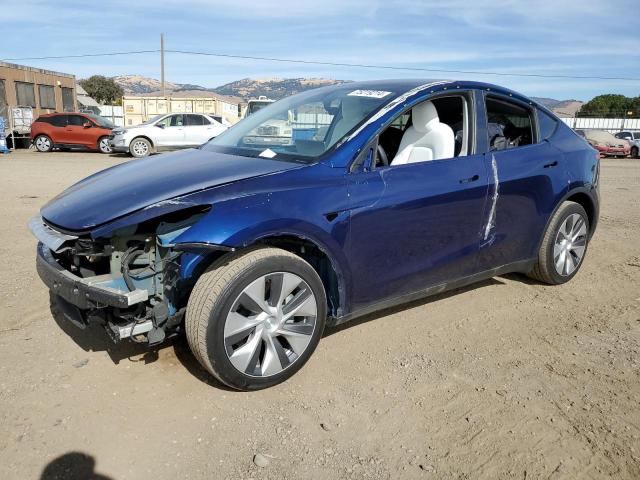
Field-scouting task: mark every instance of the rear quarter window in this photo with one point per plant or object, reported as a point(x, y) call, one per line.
point(546, 124)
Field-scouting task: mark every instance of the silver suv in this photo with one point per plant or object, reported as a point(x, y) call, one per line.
point(634, 140)
point(166, 131)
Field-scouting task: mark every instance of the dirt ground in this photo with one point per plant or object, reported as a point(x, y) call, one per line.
point(505, 379)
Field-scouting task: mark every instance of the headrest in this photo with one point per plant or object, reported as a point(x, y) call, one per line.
point(424, 116)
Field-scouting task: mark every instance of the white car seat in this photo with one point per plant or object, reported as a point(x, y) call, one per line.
point(426, 139)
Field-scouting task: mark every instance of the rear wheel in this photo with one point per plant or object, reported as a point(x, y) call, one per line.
point(140, 147)
point(103, 145)
point(255, 317)
point(43, 143)
point(564, 245)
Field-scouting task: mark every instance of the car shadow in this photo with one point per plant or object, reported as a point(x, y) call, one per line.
point(332, 330)
point(72, 466)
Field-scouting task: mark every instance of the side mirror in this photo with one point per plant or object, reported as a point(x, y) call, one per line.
point(159, 125)
point(86, 124)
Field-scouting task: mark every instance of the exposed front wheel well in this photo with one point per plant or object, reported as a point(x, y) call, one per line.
point(318, 259)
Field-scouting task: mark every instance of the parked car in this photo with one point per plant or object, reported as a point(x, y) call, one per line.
point(71, 130)
point(403, 192)
point(607, 144)
point(634, 139)
point(164, 132)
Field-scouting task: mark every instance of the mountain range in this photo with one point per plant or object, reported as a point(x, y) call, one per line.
point(277, 88)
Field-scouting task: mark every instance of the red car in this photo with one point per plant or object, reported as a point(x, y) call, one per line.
point(607, 144)
point(71, 130)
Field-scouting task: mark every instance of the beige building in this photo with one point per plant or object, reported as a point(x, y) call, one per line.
point(138, 109)
point(42, 91)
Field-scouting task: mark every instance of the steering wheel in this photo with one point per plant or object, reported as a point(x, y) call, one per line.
point(382, 155)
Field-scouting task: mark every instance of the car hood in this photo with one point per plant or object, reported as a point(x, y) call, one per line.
point(125, 188)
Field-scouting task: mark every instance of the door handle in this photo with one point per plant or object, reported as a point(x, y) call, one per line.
point(470, 179)
point(552, 164)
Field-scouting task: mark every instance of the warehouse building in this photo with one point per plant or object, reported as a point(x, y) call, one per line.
point(26, 92)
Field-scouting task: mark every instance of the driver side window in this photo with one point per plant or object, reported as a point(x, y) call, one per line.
point(432, 130)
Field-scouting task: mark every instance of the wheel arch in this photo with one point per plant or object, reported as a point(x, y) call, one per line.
point(310, 250)
point(146, 137)
point(584, 198)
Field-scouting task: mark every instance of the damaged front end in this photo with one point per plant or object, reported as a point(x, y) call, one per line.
point(131, 282)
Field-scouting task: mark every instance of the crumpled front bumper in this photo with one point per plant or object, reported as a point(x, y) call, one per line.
point(84, 293)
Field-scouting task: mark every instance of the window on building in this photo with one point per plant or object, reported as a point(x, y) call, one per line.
point(25, 94)
point(3, 100)
point(47, 96)
point(68, 102)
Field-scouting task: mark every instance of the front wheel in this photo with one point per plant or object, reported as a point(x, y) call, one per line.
point(563, 246)
point(43, 143)
point(140, 147)
point(634, 152)
point(103, 145)
point(255, 317)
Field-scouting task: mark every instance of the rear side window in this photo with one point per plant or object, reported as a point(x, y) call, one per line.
point(77, 120)
point(58, 121)
point(509, 125)
point(194, 120)
point(25, 94)
point(546, 124)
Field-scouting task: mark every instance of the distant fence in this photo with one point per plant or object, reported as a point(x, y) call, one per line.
point(113, 113)
point(612, 125)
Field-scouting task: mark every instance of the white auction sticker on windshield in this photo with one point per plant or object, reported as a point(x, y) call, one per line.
point(268, 153)
point(369, 93)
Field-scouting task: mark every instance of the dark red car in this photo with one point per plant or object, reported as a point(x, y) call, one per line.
point(71, 130)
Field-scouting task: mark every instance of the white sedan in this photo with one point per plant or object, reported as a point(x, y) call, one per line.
point(166, 132)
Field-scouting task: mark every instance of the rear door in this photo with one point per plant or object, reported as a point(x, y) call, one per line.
point(55, 127)
point(196, 132)
point(527, 176)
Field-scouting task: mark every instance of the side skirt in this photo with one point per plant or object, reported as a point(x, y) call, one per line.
point(521, 266)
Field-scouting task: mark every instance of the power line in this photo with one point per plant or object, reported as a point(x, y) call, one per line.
point(336, 64)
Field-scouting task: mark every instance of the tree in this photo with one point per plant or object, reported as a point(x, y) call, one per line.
point(102, 89)
point(611, 106)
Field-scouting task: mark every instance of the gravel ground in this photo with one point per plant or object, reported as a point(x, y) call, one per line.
point(504, 379)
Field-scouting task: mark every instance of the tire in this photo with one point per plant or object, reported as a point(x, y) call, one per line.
point(103, 145)
point(140, 147)
point(634, 152)
point(561, 254)
point(43, 143)
point(247, 346)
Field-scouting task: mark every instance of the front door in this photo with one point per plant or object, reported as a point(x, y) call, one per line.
point(170, 131)
point(415, 226)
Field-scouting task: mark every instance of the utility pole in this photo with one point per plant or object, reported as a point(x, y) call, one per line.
point(162, 63)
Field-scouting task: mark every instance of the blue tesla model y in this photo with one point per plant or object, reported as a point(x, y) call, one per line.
point(317, 209)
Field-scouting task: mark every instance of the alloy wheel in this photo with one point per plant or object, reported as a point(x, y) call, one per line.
point(140, 148)
point(104, 145)
point(43, 144)
point(570, 244)
point(270, 324)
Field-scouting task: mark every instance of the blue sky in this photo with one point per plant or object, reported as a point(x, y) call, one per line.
point(565, 37)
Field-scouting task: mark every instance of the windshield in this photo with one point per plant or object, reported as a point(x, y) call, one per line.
point(153, 119)
point(101, 121)
point(255, 106)
point(303, 126)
